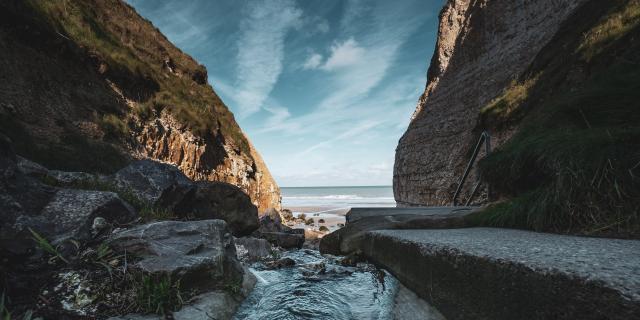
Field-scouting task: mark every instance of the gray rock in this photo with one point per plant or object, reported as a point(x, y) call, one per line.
point(157, 183)
point(252, 249)
point(31, 168)
point(272, 229)
point(199, 253)
point(71, 214)
point(63, 178)
point(218, 200)
point(219, 305)
point(292, 239)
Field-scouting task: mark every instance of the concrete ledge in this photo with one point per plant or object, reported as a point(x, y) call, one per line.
point(356, 214)
point(485, 273)
point(348, 240)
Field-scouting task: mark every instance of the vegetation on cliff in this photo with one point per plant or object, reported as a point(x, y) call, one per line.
point(574, 164)
point(109, 41)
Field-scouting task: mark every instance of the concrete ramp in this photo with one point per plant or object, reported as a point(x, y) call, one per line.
point(490, 273)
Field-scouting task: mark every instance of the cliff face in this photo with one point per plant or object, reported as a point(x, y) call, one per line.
point(89, 86)
point(482, 47)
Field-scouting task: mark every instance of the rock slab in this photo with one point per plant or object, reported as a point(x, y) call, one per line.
point(199, 253)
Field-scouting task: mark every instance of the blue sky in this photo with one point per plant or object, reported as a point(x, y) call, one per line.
point(324, 89)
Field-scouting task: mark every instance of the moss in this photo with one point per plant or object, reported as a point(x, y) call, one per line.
point(613, 27)
point(508, 102)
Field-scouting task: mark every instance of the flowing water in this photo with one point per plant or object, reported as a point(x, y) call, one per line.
point(318, 287)
point(305, 291)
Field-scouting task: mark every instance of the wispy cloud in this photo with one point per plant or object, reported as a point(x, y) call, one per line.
point(356, 130)
point(261, 51)
point(313, 61)
point(344, 54)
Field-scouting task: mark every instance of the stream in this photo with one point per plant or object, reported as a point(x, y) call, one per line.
point(318, 287)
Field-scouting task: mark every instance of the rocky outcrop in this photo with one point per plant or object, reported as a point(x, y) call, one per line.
point(482, 47)
point(59, 214)
point(73, 101)
point(199, 253)
point(163, 186)
point(168, 140)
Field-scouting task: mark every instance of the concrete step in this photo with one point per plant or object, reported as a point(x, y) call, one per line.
point(489, 273)
point(360, 220)
point(356, 214)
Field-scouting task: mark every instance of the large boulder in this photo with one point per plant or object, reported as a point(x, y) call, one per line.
point(199, 253)
point(219, 200)
point(252, 249)
point(75, 214)
point(156, 183)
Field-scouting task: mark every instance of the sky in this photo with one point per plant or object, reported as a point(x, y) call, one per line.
point(324, 89)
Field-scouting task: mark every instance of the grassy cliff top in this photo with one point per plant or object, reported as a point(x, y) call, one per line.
point(148, 69)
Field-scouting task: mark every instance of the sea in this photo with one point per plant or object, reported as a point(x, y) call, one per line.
point(337, 197)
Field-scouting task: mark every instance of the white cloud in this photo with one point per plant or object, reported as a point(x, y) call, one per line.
point(278, 115)
point(344, 54)
point(261, 51)
point(313, 61)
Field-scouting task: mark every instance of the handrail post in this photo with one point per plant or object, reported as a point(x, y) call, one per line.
point(486, 138)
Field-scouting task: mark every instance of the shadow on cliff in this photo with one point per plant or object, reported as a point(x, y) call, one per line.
point(573, 165)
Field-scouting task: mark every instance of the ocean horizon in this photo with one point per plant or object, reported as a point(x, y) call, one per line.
point(338, 196)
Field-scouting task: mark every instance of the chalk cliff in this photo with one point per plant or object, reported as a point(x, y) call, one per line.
point(482, 47)
point(88, 86)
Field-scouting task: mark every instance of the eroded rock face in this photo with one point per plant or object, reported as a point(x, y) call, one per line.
point(209, 159)
point(482, 46)
point(200, 253)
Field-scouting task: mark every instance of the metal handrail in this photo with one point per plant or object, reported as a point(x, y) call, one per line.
point(486, 138)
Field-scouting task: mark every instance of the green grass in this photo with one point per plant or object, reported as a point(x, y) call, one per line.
point(574, 164)
point(158, 294)
point(46, 246)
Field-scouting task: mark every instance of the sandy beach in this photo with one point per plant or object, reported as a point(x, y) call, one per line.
point(332, 218)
